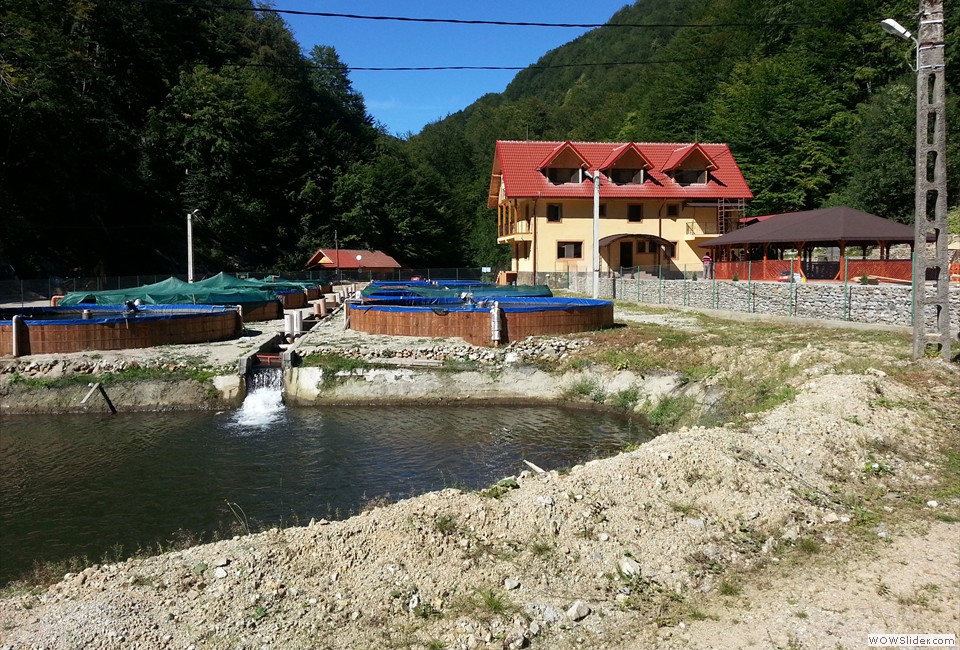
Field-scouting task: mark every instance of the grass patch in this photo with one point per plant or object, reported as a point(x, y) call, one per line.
point(808, 546)
point(627, 398)
point(200, 374)
point(728, 588)
point(587, 387)
point(541, 549)
point(672, 412)
point(334, 366)
point(445, 524)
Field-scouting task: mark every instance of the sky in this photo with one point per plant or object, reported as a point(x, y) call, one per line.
point(404, 102)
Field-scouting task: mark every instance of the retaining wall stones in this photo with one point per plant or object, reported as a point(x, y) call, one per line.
point(885, 304)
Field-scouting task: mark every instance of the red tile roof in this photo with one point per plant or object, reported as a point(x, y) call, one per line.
point(519, 163)
point(346, 258)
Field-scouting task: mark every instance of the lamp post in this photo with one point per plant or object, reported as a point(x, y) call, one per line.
point(190, 216)
point(595, 177)
point(359, 268)
point(930, 199)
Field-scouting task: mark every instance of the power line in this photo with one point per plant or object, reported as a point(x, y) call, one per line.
point(533, 66)
point(460, 21)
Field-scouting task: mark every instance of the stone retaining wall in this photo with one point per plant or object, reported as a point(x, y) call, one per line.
point(886, 304)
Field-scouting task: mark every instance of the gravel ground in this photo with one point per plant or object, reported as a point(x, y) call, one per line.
point(809, 525)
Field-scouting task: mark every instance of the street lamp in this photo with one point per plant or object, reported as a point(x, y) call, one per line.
point(595, 177)
point(190, 216)
point(892, 27)
point(359, 267)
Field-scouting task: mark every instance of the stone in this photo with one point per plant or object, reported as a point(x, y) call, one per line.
point(628, 567)
point(551, 615)
point(578, 611)
point(219, 572)
point(510, 584)
point(698, 524)
point(831, 518)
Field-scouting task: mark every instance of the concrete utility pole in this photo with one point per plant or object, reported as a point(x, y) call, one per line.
point(931, 302)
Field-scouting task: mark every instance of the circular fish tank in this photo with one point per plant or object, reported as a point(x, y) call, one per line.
point(481, 314)
point(52, 330)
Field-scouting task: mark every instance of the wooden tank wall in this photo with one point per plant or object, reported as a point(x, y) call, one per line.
point(119, 335)
point(474, 326)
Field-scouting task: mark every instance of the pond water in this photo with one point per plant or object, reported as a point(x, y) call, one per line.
point(101, 486)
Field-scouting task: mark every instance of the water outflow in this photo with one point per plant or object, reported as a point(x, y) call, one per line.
point(263, 405)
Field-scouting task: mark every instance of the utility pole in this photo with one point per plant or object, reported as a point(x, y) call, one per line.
point(930, 223)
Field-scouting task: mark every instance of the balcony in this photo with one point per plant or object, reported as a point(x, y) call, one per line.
point(702, 229)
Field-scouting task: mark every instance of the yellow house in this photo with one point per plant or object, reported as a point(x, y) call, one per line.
point(639, 204)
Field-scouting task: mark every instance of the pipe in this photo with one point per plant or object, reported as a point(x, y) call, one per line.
point(18, 330)
point(495, 324)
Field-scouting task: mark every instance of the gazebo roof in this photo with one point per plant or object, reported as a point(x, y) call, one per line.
point(826, 226)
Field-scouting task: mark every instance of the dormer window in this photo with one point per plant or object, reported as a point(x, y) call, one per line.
point(625, 176)
point(690, 176)
point(561, 175)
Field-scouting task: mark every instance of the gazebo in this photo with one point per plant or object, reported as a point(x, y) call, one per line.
point(756, 250)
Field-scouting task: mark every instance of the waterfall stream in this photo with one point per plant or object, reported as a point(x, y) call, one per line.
point(263, 405)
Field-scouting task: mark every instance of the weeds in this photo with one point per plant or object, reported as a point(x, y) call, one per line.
point(727, 588)
point(808, 546)
point(445, 524)
point(588, 387)
point(671, 412)
point(241, 517)
point(627, 398)
point(334, 366)
point(541, 549)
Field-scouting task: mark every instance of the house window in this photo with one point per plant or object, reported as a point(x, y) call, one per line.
point(603, 210)
point(569, 250)
point(561, 175)
point(670, 249)
point(642, 246)
point(626, 176)
point(673, 210)
point(635, 212)
point(554, 212)
point(690, 176)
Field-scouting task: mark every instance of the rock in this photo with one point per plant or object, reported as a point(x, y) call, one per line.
point(578, 611)
point(932, 503)
point(628, 567)
point(219, 572)
point(698, 524)
point(510, 584)
point(603, 537)
point(831, 518)
point(551, 615)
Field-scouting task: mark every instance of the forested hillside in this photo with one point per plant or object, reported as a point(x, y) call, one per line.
point(118, 117)
point(816, 102)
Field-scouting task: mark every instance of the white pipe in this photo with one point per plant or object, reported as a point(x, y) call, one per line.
point(16, 334)
point(190, 246)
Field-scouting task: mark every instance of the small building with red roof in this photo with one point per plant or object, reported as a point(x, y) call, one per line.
point(345, 259)
point(657, 203)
